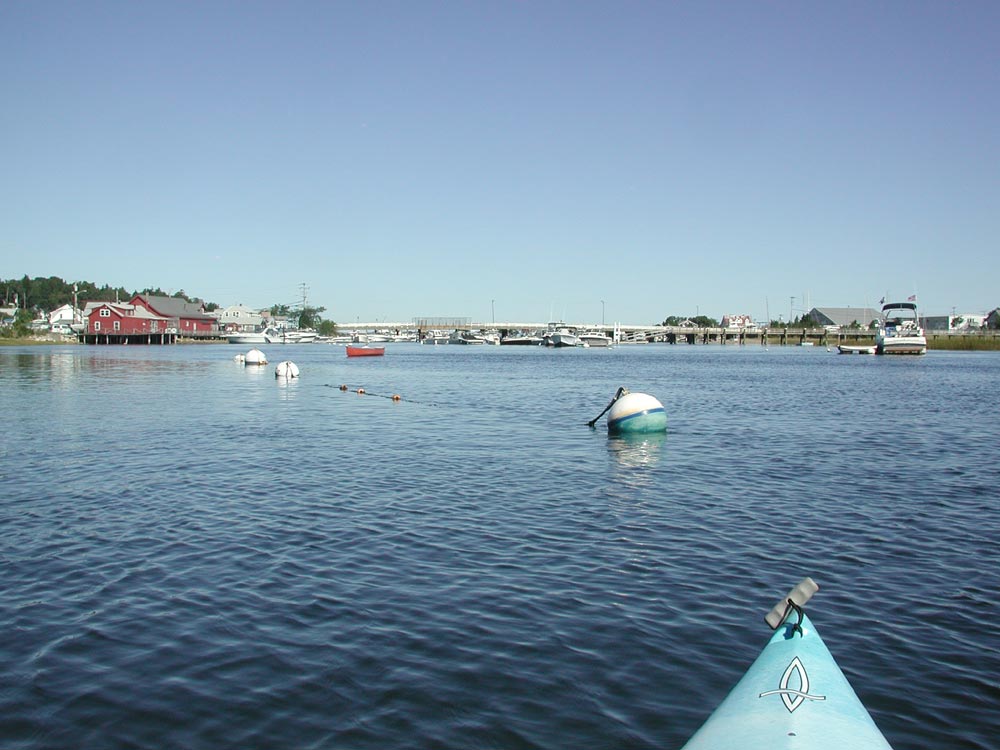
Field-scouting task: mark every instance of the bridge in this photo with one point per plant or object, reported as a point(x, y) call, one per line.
point(641, 334)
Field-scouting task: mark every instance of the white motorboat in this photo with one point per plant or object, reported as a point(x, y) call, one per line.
point(296, 336)
point(518, 339)
point(899, 330)
point(435, 337)
point(465, 337)
point(492, 336)
point(595, 338)
point(253, 337)
point(560, 335)
point(338, 340)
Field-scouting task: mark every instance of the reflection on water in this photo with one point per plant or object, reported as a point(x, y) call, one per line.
point(256, 369)
point(287, 386)
point(637, 450)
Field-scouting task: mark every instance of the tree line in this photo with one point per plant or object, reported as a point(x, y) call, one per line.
point(43, 294)
point(35, 296)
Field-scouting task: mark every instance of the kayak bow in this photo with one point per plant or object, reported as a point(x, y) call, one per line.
point(793, 696)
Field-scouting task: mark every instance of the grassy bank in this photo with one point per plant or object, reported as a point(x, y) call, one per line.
point(972, 342)
point(33, 342)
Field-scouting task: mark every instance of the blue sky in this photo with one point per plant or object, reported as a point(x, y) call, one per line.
point(516, 160)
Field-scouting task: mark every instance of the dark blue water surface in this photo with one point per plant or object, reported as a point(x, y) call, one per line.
point(195, 555)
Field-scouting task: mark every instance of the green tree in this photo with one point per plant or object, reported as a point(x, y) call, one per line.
point(309, 317)
point(22, 323)
point(702, 321)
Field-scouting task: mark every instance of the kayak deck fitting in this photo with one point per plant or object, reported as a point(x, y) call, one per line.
point(793, 696)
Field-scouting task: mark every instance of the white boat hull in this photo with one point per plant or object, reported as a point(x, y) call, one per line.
point(562, 338)
point(900, 331)
point(902, 345)
point(246, 338)
point(595, 340)
point(292, 337)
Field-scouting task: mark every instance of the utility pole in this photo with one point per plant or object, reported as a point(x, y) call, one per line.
point(602, 312)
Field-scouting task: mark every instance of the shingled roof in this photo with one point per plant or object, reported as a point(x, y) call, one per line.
point(175, 307)
point(843, 316)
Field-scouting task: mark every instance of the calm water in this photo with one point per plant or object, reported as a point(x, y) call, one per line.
point(195, 555)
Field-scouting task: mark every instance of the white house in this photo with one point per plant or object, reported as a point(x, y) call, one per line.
point(239, 318)
point(737, 321)
point(63, 314)
point(969, 322)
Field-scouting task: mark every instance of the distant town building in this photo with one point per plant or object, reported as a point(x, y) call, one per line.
point(844, 317)
point(123, 318)
point(188, 318)
point(62, 314)
point(936, 322)
point(959, 322)
point(237, 318)
point(737, 321)
point(967, 321)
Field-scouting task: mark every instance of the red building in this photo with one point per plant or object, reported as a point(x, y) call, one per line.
point(126, 319)
point(187, 318)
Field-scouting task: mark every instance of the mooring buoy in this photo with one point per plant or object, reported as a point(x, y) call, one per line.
point(637, 412)
point(255, 357)
point(633, 412)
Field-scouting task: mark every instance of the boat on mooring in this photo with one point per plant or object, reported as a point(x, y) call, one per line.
point(560, 335)
point(522, 339)
point(899, 330)
point(365, 351)
point(252, 337)
point(856, 348)
point(292, 336)
point(793, 696)
point(595, 339)
point(435, 337)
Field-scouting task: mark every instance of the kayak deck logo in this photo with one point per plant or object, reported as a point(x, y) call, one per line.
point(794, 687)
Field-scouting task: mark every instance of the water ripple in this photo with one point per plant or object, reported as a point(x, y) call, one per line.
point(232, 563)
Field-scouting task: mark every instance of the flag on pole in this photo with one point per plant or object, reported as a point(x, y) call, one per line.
point(882, 301)
point(912, 298)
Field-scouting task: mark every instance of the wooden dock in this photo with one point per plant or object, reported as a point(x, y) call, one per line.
point(118, 339)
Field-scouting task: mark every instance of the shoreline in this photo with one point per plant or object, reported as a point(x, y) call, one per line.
point(946, 342)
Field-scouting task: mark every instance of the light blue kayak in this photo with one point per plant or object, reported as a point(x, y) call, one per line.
point(793, 696)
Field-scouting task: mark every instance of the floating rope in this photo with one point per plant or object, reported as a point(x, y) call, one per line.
point(395, 397)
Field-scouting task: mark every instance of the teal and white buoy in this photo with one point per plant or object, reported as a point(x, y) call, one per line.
point(634, 413)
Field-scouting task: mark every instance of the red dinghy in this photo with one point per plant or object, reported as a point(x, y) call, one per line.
point(365, 351)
